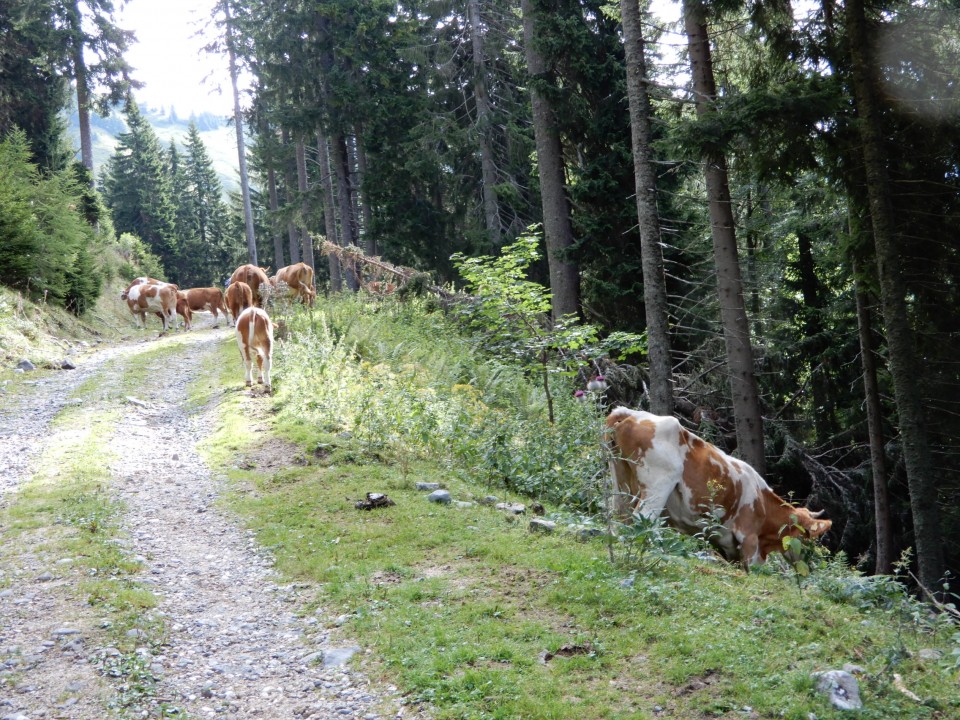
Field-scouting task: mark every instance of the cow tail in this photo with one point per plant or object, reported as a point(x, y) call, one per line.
point(251, 334)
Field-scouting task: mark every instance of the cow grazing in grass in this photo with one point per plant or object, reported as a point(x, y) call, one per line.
point(380, 287)
point(254, 277)
point(239, 297)
point(299, 280)
point(660, 468)
point(255, 338)
point(208, 299)
point(145, 295)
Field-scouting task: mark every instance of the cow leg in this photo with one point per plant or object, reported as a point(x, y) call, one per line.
point(260, 367)
point(654, 493)
point(624, 489)
point(247, 362)
point(265, 371)
point(750, 552)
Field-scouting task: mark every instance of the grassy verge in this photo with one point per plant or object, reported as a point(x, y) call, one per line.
point(471, 613)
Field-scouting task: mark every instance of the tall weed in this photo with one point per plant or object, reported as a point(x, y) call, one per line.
point(405, 381)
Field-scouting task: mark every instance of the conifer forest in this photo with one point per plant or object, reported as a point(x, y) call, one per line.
point(768, 192)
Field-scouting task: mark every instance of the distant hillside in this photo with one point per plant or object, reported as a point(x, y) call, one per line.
point(216, 132)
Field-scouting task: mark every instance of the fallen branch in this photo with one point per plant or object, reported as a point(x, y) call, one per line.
point(352, 256)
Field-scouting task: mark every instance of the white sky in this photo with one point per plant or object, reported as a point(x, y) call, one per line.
point(176, 72)
point(169, 60)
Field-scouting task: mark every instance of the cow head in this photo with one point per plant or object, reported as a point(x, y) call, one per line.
point(813, 527)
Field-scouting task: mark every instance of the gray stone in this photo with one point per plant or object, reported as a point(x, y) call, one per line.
point(489, 500)
point(841, 687)
point(67, 364)
point(539, 525)
point(462, 503)
point(45, 577)
point(26, 365)
point(512, 508)
point(928, 654)
point(334, 657)
point(439, 496)
point(584, 533)
point(428, 486)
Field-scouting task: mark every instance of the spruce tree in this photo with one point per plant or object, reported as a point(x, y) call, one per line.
point(136, 187)
point(211, 217)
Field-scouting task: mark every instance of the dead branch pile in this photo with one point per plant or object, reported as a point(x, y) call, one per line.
point(372, 269)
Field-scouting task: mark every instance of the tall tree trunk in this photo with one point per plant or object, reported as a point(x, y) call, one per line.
point(329, 211)
point(303, 185)
point(274, 207)
point(369, 242)
point(753, 280)
point(241, 145)
point(83, 90)
point(353, 173)
point(557, 227)
point(645, 179)
point(488, 169)
point(293, 236)
point(878, 460)
point(904, 366)
point(341, 169)
point(733, 313)
point(815, 345)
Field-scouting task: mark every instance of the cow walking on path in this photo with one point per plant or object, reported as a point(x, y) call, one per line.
point(145, 295)
point(239, 297)
point(255, 338)
point(206, 299)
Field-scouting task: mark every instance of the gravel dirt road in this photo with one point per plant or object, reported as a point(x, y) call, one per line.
point(234, 643)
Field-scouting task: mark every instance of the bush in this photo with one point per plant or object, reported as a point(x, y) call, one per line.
point(45, 241)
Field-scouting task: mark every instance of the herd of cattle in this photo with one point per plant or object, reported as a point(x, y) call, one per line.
point(242, 302)
point(658, 468)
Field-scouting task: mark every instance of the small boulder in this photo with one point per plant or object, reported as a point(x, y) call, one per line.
point(512, 508)
point(440, 496)
point(539, 525)
point(26, 365)
point(67, 364)
point(841, 687)
point(489, 500)
point(428, 486)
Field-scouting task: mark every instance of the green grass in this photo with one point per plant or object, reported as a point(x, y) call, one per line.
point(458, 604)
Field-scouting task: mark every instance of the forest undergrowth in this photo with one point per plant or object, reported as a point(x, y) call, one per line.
point(474, 615)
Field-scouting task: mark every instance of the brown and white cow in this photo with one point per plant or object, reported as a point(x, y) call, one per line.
point(255, 337)
point(183, 310)
point(208, 299)
point(239, 297)
point(660, 468)
point(299, 278)
point(145, 295)
point(254, 277)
